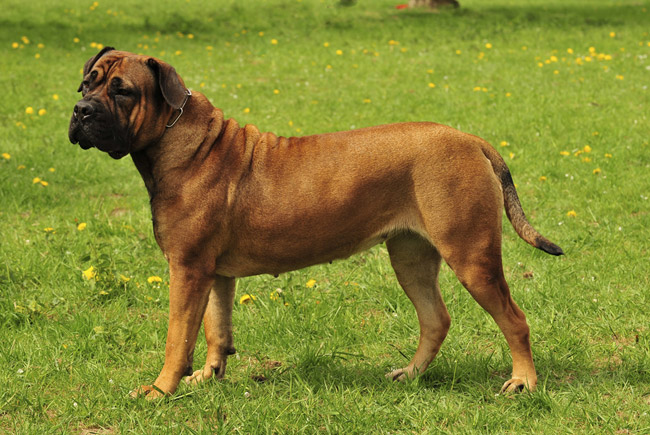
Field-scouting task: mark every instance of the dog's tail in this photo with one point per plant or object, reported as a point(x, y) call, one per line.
point(513, 207)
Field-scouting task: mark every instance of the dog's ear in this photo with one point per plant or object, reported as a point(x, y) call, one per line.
point(92, 61)
point(171, 85)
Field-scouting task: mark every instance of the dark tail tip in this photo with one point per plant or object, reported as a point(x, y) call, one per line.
point(548, 247)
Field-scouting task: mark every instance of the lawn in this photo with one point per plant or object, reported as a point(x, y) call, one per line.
point(559, 87)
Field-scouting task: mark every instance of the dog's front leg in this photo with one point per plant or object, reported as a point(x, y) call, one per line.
point(217, 322)
point(189, 289)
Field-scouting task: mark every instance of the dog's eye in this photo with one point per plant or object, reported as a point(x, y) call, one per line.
point(123, 92)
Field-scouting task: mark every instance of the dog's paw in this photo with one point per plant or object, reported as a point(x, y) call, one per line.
point(216, 369)
point(399, 375)
point(149, 392)
point(197, 377)
point(516, 385)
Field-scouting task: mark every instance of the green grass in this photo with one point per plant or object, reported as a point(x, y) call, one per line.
point(71, 348)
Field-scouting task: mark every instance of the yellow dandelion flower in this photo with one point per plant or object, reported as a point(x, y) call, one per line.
point(458, 52)
point(524, 48)
point(6, 156)
point(311, 283)
point(504, 143)
point(247, 110)
point(247, 299)
point(367, 100)
point(42, 112)
point(326, 44)
point(274, 41)
point(612, 34)
point(36, 180)
point(124, 278)
point(37, 56)
point(586, 159)
point(392, 42)
point(569, 50)
point(153, 279)
point(29, 110)
point(508, 94)
point(261, 33)
point(178, 52)
point(572, 213)
point(15, 45)
point(608, 155)
point(190, 36)
point(587, 149)
point(75, 40)
point(25, 40)
point(89, 273)
point(564, 153)
point(81, 226)
point(488, 45)
point(512, 155)
point(55, 96)
point(596, 171)
point(339, 52)
point(619, 77)
point(432, 85)
point(44, 183)
point(477, 89)
point(556, 72)
point(48, 229)
point(542, 178)
point(20, 167)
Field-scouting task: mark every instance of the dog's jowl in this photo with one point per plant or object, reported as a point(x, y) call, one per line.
point(229, 202)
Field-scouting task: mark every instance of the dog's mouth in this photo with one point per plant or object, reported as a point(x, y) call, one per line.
point(88, 137)
point(117, 154)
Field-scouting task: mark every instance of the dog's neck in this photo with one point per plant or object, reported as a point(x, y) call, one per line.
point(178, 148)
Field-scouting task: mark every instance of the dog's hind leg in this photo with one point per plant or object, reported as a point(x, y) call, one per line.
point(217, 322)
point(417, 263)
point(482, 275)
point(475, 258)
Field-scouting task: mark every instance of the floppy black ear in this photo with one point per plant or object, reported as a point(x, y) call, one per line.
point(92, 61)
point(171, 85)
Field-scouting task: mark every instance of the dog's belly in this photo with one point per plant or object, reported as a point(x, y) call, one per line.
point(290, 239)
point(275, 261)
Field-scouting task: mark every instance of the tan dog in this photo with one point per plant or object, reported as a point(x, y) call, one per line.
point(229, 202)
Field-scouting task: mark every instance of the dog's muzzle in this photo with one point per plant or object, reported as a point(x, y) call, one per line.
point(92, 126)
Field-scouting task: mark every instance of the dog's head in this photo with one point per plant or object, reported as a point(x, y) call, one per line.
point(128, 100)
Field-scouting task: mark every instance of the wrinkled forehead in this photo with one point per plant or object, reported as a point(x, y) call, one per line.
point(127, 66)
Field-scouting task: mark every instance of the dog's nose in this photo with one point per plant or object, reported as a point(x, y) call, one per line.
point(83, 109)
